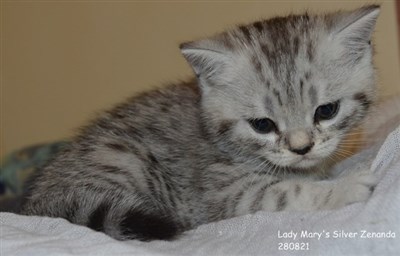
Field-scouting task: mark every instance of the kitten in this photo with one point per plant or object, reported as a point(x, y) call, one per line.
point(270, 105)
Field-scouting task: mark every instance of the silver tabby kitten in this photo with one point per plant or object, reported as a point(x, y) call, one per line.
point(271, 103)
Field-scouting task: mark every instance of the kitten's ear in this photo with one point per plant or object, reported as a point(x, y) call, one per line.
point(205, 56)
point(355, 27)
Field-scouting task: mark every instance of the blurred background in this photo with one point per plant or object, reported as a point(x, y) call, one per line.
point(64, 61)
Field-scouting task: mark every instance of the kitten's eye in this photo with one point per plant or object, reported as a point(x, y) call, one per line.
point(327, 111)
point(262, 125)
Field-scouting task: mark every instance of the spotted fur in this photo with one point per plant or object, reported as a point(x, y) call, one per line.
point(174, 158)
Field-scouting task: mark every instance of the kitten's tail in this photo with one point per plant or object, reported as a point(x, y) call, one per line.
point(123, 220)
point(133, 224)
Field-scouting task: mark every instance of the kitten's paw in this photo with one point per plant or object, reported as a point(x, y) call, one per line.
point(355, 187)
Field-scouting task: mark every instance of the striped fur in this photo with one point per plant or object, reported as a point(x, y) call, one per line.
point(174, 158)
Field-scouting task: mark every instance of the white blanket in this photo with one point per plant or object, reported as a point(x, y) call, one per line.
point(257, 234)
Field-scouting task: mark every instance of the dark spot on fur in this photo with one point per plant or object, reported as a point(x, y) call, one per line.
point(110, 168)
point(246, 32)
point(257, 203)
point(152, 158)
point(224, 127)
point(103, 124)
point(328, 197)
point(325, 139)
point(346, 121)
point(362, 99)
point(227, 42)
point(135, 134)
point(85, 149)
point(296, 43)
point(145, 226)
point(297, 190)
point(98, 216)
point(267, 53)
point(310, 51)
point(70, 211)
point(254, 146)
point(268, 84)
point(259, 26)
point(278, 96)
point(256, 64)
point(109, 126)
point(372, 189)
point(307, 75)
point(282, 201)
point(118, 115)
point(117, 147)
point(301, 89)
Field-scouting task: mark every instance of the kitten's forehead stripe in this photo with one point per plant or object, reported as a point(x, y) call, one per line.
point(278, 96)
point(290, 93)
point(301, 90)
point(246, 32)
point(258, 68)
point(283, 42)
point(269, 104)
point(310, 51)
point(268, 54)
point(313, 95)
point(227, 41)
point(296, 43)
point(259, 26)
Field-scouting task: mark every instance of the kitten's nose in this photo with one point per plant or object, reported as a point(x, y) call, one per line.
point(302, 151)
point(300, 142)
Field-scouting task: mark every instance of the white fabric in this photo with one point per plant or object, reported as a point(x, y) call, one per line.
point(247, 235)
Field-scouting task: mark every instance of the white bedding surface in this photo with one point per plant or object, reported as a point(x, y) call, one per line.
point(247, 235)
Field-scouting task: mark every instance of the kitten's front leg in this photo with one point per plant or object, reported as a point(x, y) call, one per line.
point(233, 194)
point(306, 194)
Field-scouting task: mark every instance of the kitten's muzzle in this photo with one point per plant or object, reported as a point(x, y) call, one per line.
point(300, 142)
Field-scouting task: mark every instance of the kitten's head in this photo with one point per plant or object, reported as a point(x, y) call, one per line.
point(286, 89)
